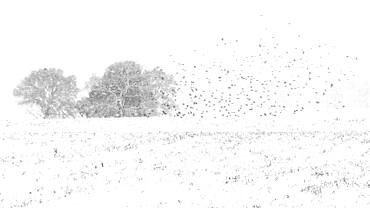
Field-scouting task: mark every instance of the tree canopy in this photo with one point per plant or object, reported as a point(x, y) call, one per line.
point(52, 92)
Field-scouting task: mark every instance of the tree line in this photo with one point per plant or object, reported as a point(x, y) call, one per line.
point(124, 90)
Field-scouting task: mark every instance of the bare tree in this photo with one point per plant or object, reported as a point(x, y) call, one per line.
point(126, 90)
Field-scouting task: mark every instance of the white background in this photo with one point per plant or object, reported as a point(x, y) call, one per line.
point(84, 37)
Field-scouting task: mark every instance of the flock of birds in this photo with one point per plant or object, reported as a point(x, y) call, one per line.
point(272, 80)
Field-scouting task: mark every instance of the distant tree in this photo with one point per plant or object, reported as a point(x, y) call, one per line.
point(126, 89)
point(52, 92)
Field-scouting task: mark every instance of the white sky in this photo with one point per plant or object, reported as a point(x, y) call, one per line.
point(84, 37)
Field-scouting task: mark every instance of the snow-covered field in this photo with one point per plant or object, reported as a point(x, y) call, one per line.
point(156, 162)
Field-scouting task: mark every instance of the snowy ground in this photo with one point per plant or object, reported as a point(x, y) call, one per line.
point(184, 163)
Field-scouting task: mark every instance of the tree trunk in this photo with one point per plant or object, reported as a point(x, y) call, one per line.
point(122, 107)
point(122, 98)
point(47, 113)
